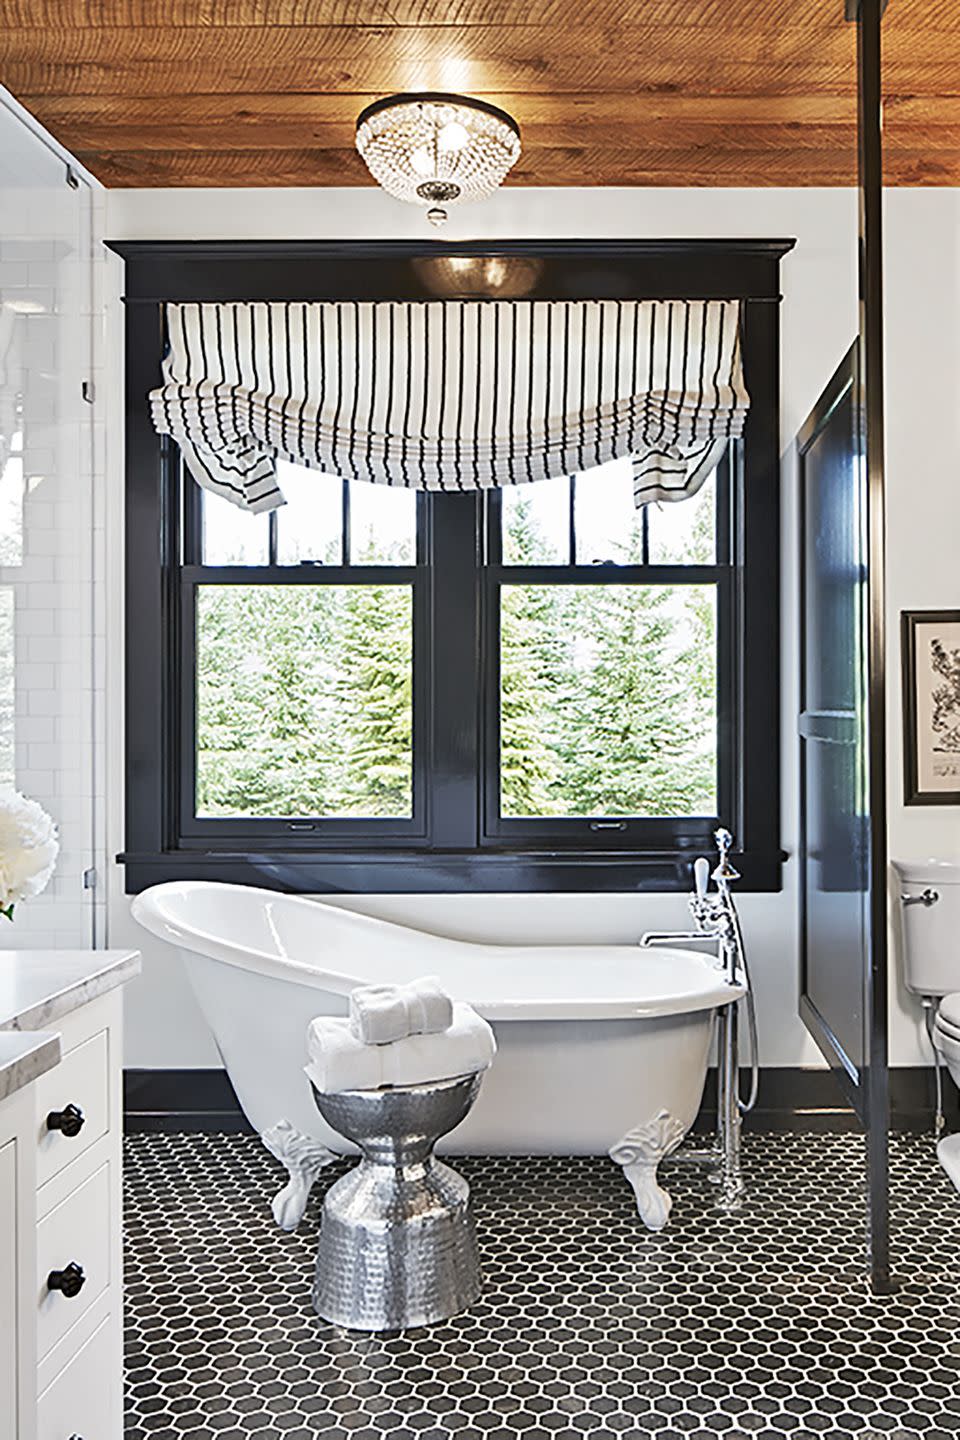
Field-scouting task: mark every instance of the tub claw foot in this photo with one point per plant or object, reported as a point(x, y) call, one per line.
point(303, 1158)
point(639, 1153)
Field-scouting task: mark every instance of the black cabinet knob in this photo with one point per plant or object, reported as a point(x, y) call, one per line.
point(69, 1281)
point(69, 1121)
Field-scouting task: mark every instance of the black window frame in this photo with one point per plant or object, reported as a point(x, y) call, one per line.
point(199, 832)
point(454, 840)
point(604, 832)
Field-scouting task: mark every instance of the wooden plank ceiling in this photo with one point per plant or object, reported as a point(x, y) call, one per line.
point(607, 92)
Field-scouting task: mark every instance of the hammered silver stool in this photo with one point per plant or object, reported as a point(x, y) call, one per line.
point(397, 1243)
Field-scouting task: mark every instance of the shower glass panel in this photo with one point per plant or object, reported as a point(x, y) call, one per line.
point(48, 526)
point(835, 833)
point(8, 690)
point(11, 476)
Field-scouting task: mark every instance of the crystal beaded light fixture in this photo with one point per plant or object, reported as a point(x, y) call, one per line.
point(437, 150)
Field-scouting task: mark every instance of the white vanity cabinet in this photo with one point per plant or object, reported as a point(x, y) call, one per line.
point(78, 1123)
point(18, 1363)
point(8, 1284)
point(60, 1213)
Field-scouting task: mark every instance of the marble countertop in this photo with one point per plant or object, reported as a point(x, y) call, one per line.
point(39, 987)
point(25, 1055)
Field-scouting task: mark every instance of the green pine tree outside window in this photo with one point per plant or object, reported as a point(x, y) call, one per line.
point(607, 693)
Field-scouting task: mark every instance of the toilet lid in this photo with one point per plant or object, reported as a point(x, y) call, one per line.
point(946, 1032)
point(948, 1016)
point(949, 1046)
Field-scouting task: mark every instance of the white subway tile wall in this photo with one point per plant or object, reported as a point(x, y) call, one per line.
point(48, 533)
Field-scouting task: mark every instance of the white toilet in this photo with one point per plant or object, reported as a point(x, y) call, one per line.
point(930, 906)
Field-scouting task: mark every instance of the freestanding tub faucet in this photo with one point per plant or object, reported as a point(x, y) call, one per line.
point(717, 921)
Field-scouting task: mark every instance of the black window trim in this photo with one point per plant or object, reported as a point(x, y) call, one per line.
point(158, 643)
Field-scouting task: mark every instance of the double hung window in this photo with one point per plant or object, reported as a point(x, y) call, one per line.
point(537, 687)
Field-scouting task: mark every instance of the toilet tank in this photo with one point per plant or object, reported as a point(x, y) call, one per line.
point(931, 931)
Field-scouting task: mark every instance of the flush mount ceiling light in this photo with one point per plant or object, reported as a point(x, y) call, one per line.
point(437, 150)
point(478, 277)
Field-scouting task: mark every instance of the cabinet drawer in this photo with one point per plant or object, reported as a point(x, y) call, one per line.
point(75, 1233)
point(79, 1403)
point(81, 1082)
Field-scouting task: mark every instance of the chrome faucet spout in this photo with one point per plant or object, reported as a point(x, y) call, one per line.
point(670, 937)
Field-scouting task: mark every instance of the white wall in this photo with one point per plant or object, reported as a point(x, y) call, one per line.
point(819, 319)
point(923, 497)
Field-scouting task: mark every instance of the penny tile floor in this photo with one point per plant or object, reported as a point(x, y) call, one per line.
point(758, 1325)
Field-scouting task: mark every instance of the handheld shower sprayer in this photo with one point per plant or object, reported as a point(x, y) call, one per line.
point(722, 876)
point(701, 877)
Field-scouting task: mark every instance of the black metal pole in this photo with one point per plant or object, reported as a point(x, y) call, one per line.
point(870, 175)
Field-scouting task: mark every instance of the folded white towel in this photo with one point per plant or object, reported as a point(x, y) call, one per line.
point(380, 1014)
point(339, 1061)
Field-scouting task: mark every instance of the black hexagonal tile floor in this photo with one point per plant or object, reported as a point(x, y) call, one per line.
point(756, 1326)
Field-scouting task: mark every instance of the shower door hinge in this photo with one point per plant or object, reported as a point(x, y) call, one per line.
point(87, 391)
point(90, 878)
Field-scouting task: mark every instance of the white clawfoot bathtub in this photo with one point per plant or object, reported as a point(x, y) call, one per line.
point(602, 1049)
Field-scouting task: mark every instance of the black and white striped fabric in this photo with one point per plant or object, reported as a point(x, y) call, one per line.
point(452, 395)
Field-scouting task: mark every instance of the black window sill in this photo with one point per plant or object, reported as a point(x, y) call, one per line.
point(398, 873)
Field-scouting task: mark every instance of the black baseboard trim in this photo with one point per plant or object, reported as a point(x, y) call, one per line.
point(805, 1100)
point(790, 1099)
point(181, 1100)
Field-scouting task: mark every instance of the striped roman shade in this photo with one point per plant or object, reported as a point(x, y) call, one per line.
point(452, 395)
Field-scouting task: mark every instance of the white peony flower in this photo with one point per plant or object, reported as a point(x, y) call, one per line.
point(28, 849)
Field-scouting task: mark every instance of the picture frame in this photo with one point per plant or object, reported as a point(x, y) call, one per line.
point(930, 645)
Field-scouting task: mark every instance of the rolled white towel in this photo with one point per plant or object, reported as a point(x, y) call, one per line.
point(339, 1061)
point(380, 1014)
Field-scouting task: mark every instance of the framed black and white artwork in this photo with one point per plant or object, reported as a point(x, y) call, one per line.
point(931, 706)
